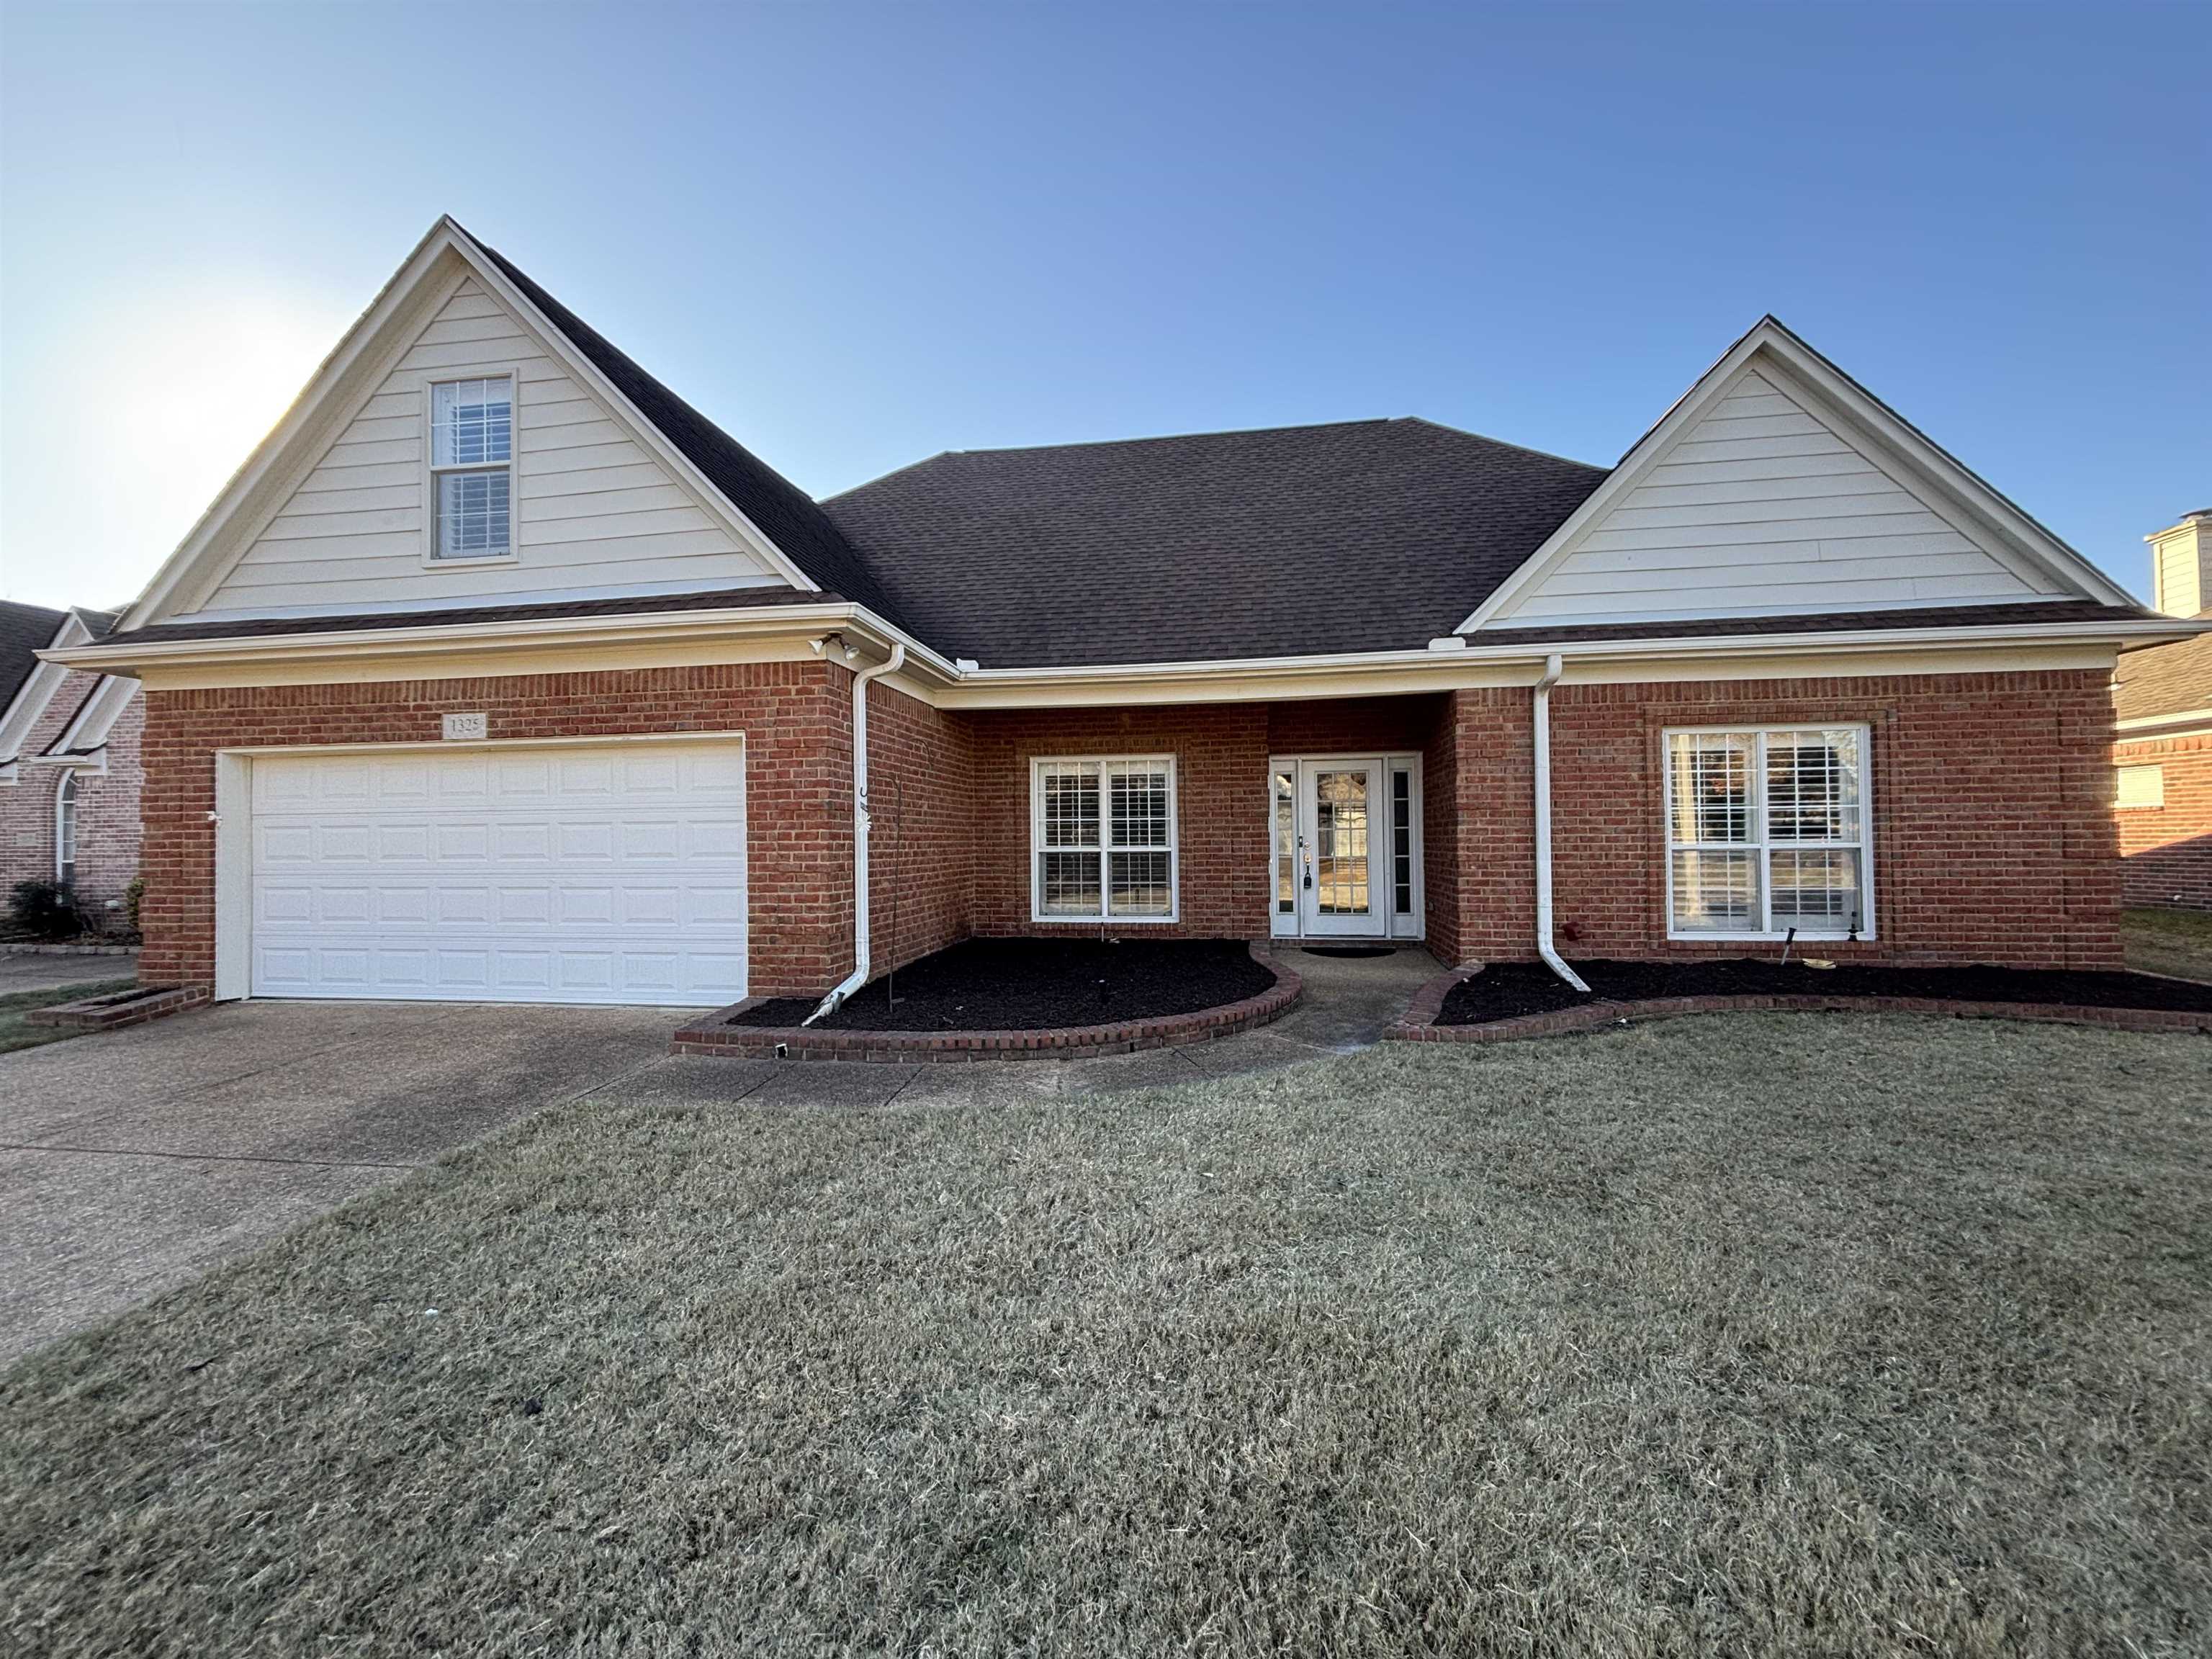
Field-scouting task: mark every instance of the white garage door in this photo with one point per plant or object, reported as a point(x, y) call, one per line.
point(605, 873)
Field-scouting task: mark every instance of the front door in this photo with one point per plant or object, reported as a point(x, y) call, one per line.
point(1343, 845)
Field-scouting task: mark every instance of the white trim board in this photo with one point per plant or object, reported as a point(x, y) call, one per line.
point(28, 706)
point(467, 650)
point(2044, 565)
point(89, 728)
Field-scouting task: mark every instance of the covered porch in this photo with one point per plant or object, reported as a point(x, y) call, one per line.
point(1313, 820)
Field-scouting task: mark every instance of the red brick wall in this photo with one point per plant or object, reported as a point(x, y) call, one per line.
point(921, 847)
point(1493, 841)
point(2165, 852)
point(1355, 726)
point(796, 716)
point(1993, 838)
point(1221, 785)
point(107, 810)
point(1993, 835)
point(1441, 821)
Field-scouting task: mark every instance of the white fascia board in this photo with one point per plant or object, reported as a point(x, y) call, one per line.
point(930, 672)
point(2181, 723)
point(347, 377)
point(2011, 525)
point(869, 633)
point(89, 729)
point(1430, 670)
point(29, 704)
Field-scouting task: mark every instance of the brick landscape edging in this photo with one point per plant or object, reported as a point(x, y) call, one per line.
point(714, 1035)
point(1419, 1024)
point(117, 1009)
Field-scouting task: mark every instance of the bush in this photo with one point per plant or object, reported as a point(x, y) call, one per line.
point(46, 909)
point(133, 896)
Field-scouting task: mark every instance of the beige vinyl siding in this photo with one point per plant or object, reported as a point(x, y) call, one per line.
point(594, 511)
point(2177, 584)
point(1761, 508)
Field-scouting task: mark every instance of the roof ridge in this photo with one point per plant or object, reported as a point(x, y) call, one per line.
point(1225, 432)
point(1506, 443)
point(1163, 438)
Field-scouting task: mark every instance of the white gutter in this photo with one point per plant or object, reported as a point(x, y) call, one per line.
point(543, 633)
point(1552, 666)
point(853, 980)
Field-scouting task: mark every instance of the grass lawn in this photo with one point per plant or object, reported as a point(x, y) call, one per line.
point(2178, 942)
point(16, 1032)
point(1766, 1333)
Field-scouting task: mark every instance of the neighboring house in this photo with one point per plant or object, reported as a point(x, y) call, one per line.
point(499, 672)
point(68, 764)
point(2162, 755)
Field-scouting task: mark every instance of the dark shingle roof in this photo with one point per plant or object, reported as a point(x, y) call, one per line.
point(2164, 679)
point(786, 513)
point(236, 627)
point(1288, 541)
point(1364, 536)
point(25, 630)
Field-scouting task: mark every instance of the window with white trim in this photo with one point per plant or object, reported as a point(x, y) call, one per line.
point(65, 829)
point(1102, 840)
point(2139, 785)
point(471, 464)
point(1767, 830)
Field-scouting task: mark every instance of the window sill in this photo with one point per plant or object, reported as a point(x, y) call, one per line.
point(433, 563)
point(1864, 936)
point(1101, 922)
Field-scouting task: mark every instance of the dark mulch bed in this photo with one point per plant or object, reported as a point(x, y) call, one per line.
point(1507, 989)
point(1036, 985)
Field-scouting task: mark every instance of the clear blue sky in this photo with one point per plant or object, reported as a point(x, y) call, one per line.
point(858, 235)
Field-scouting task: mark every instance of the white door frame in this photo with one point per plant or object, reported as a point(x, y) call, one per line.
point(233, 828)
point(1389, 851)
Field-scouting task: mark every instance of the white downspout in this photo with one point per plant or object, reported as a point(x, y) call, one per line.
point(853, 980)
point(1543, 948)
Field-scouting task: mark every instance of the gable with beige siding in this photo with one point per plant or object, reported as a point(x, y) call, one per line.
point(595, 513)
point(1762, 508)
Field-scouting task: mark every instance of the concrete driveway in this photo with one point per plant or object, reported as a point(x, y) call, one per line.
point(132, 1161)
point(135, 1160)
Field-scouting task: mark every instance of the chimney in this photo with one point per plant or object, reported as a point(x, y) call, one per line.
point(2181, 566)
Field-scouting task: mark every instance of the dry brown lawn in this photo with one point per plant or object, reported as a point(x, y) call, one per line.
point(1801, 1334)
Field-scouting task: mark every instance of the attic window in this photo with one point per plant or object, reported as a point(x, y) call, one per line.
point(471, 461)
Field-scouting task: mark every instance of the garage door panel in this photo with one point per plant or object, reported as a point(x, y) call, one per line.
point(403, 904)
point(537, 875)
point(585, 841)
point(403, 843)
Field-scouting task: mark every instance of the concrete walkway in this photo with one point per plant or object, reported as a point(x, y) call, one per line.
point(133, 1161)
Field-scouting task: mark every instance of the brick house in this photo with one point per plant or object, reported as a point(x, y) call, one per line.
point(68, 764)
point(499, 672)
point(2162, 751)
